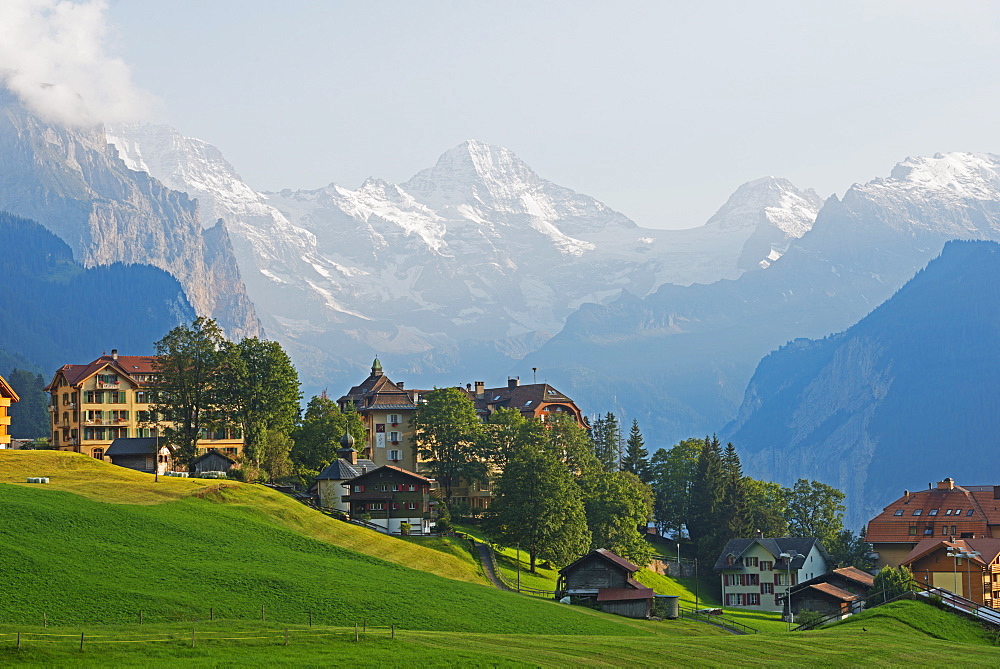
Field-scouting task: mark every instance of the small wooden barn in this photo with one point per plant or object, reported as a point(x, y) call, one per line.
point(606, 578)
point(144, 454)
point(211, 461)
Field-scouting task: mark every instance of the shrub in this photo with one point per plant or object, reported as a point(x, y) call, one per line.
point(404, 528)
point(807, 618)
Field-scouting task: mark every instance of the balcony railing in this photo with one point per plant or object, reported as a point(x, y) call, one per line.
point(105, 385)
point(105, 421)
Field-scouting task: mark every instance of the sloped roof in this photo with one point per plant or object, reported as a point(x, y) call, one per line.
point(378, 392)
point(988, 548)
point(342, 470)
point(857, 575)
point(606, 555)
point(7, 391)
point(399, 470)
point(773, 545)
point(126, 365)
point(523, 398)
point(619, 594)
point(132, 446)
point(834, 591)
point(208, 454)
point(887, 527)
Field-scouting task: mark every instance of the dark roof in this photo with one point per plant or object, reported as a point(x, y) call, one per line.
point(523, 398)
point(208, 454)
point(342, 470)
point(605, 554)
point(378, 392)
point(619, 594)
point(126, 365)
point(132, 446)
point(775, 546)
point(399, 470)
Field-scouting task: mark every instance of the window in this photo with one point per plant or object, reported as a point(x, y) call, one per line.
point(140, 397)
point(917, 512)
point(913, 530)
point(396, 456)
point(385, 487)
point(412, 488)
point(929, 531)
point(933, 512)
point(767, 565)
point(958, 512)
point(899, 512)
point(750, 562)
point(376, 506)
point(767, 588)
point(753, 599)
point(947, 512)
point(970, 512)
point(411, 506)
point(359, 488)
point(395, 505)
point(394, 419)
point(944, 530)
point(98, 453)
point(394, 437)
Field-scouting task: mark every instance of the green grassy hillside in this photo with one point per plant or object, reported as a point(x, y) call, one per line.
point(232, 547)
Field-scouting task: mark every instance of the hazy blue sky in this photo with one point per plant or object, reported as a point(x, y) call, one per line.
point(659, 109)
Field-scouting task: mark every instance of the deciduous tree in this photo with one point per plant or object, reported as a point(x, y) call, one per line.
point(447, 437)
point(568, 443)
point(317, 438)
point(815, 510)
point(184, 388)
point(537, 506)
point(673, 473)
point(768, 506)
point(618, 506)
point(260, 388)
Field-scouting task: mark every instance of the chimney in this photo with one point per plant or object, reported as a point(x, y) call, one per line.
point(399, 384)
point(996, 492)
point(114, 354)
point(480, 390)
point(513, 382)
point(947, 484)
point(759, 534)
point(906, 494)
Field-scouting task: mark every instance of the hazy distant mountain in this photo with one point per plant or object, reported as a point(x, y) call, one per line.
point(679, 359)
point(889, 403)
point(463, 269)
point(73, 183)
point(56, 312)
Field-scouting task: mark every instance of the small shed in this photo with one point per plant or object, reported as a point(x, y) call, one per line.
point(841, 591)
point(606, 578)
point(211, 461)
point(144, 454)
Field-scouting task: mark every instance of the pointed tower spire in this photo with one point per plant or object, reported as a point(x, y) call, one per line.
point(376, 367)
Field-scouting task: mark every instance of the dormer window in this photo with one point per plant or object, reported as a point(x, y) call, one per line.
point(958, 512)
point(947, 512)
point(917, 512)
point(971, 511)
point(730, 559)
point(933, 512)
point(899, 512)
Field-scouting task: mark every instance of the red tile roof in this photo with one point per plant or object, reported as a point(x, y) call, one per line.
point(889, 527)
point(834, 591)
point(127, 365)
point(988, 549)
point(619, 594)
point(620, 561)
point(856, 575)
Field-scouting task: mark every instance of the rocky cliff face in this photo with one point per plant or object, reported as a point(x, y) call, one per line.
point(903, 397)
point(461, 270)
point(72, 182)
point(680, 358)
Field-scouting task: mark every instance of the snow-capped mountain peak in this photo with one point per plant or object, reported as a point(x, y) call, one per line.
point(974, 175)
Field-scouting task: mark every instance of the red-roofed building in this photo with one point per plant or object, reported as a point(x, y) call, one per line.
point(606, 578)
point(976, 577)
point(94, 404)
point(944, 511)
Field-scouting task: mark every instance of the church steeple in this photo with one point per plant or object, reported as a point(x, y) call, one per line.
point(376, 368)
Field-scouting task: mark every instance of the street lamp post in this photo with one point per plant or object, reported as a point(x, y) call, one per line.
point(967, 555)
point(956, 553)
point(789, 556)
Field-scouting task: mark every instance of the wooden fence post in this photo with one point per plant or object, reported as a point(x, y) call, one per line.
point(364, 623)
point(81, 642)
point(140, 616)
point(19, 640)
point(192, 637)
point(355, 631)
point(392, 632)
point(286, 636)
point(45, 620)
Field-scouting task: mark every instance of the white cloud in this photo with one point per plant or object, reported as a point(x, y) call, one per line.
point(54, 56)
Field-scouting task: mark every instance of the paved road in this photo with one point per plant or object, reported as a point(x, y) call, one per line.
point(486, 559)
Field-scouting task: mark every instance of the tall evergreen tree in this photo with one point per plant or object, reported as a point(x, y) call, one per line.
point(606, 435)
point(636, 458)
point(29, 418)
point(706, 514)
point(735, 503)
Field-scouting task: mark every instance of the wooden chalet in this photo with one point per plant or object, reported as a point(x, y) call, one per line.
point(840, 591)
point(144, 454)
point(211, 461)
point(606, 578)
point(390, 496)
point(976, 578)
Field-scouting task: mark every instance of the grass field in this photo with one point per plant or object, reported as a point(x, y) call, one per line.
point(902, 634)
point(99, 544)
